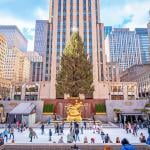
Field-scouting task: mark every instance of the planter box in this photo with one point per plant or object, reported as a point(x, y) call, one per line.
point(48, 113)
point(148, 108)
point(101, 113)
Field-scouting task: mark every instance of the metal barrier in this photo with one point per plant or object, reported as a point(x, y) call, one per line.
point(69, 147)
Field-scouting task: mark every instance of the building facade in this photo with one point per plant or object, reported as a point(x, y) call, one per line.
point(112, 72)
point(118, 90)
point(3, 51)
point(141, 75)
point(14, 37)
point(144, 44)
point(36, 70)
point(4, 84)
point(107, 30)
point(123, 47)
point(148, 26)
point(66, 17)
point(41, 36)
point(17, 66)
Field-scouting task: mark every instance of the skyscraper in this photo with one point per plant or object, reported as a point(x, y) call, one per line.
point(36, 69)
point(14, 37)
point(123, 47)
point(107, 30)
point(144, 44)
point(67, 16)
point(3, 51)
point(41, 31)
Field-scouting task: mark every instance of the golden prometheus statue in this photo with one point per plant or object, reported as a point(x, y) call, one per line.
point(74, 111)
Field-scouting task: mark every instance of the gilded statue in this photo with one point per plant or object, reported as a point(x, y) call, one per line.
point(74, 111)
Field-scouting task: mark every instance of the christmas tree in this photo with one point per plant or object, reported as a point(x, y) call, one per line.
point(75, 74)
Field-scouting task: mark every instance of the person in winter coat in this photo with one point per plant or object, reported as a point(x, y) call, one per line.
point(5, 133)
point(42, 128)
point(11, 133)
point(50, 134)
point(126, 145)
point(148, 140)
point(70, 138)
point(61, 141)
point(30, 134)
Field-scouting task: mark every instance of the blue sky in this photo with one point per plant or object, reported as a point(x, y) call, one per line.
point(117, 13)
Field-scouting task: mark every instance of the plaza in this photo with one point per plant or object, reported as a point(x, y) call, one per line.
point(79, 86)
point(43, 139)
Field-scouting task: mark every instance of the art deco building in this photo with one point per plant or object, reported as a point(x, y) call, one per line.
point(13, 37)
point(4, 84)
point(144, 44)
point(141, 75)
point(36, 69)
point(40, 42)
point(123, 47)
point(17, 66)
point(67, 16)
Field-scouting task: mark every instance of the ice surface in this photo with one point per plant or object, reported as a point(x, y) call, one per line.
point(113, 133)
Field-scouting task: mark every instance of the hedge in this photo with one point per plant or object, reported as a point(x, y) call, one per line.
point(48, 108)
point(100, 108)
point(147, 105)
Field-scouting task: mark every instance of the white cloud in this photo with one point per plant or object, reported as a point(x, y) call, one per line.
point(41, 14)
point(116, 14)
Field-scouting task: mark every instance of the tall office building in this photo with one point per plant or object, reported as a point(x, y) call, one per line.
point(123, 47)
point(17, 66)
point(144, 44)
point(67, 16)
point(36, 69)
point(14, 37)
point(107, 30)
point(4, 84)
point(148, 26)
point(3, 51)
point(41, 32)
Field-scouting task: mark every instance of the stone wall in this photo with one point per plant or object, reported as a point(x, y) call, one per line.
point(127, 106)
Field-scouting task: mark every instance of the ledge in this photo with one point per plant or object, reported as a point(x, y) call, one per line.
point(101, 113)
point(48, 113)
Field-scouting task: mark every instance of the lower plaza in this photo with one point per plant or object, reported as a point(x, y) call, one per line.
point(89, 133)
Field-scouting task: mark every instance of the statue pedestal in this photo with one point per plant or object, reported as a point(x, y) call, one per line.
point(81, 96)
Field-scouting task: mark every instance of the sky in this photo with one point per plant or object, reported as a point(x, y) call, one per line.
point(116, 13)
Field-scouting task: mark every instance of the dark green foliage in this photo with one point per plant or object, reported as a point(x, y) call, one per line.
point(1, 105)
point(147, 105)
point(48, 108)
point(117, 110)
point(100, 108)
point(75, 75)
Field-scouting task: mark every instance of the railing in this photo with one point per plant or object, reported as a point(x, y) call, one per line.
point(68, 147)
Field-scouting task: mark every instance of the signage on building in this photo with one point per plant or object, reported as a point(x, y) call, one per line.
point(128, 103)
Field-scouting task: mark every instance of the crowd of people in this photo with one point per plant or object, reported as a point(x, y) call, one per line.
point(75, 131)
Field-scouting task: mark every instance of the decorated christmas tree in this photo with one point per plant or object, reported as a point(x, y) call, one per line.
point(75, 74)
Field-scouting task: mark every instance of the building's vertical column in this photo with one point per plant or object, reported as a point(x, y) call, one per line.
point(98, 10)
point(74, 14)
point(98, 53)
point(54, 53)
point(94, 49)
point(87, 27)
point(61, 29)
point(103, 52)
point(67, 20)
point(81, 21)
point(51, 10)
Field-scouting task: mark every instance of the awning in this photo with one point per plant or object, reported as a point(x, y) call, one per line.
point(131, 114)
point(23, 108)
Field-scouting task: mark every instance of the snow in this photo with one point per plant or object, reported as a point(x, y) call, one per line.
point(113, 133)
